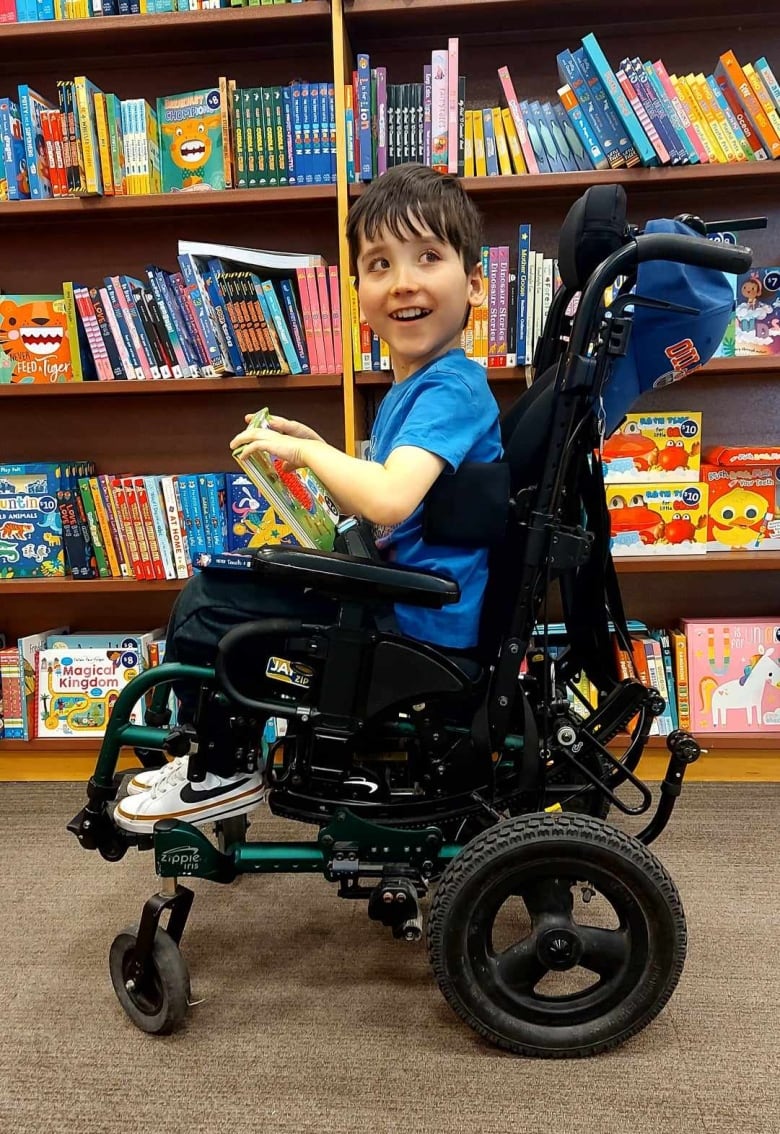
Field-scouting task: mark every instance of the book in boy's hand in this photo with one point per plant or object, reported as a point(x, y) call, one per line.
point(299, 497)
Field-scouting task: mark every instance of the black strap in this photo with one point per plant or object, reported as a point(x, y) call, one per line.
point(590, 594)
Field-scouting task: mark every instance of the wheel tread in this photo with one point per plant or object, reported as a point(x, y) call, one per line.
point(533, 829)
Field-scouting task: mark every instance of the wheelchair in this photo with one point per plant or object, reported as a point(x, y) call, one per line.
point(475, 780)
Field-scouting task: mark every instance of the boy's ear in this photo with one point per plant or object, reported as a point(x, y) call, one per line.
point(477, 286)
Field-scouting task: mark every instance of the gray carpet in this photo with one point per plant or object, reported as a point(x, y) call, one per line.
point(315, 1019)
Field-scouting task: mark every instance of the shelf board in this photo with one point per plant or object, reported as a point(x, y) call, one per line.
point(509, 20)
point(744, 364)
point(715, 562)
point(62, 210)
point(733, 178)
point(263, 27)
point(95, 588)
point(189, 386)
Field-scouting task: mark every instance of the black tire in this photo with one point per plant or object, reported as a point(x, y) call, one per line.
point(539, 858)
point(160, 1007)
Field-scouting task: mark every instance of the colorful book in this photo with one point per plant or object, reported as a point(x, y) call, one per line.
point(192, 144)
point(30, 522)
point(298, 497)
point(34, 340)
point(77, 689)
point(757, 315)
point(733, 674)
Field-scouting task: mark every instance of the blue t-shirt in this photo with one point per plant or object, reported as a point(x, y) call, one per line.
point(447, 408)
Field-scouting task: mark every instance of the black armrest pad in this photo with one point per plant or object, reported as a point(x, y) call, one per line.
point(343, 576)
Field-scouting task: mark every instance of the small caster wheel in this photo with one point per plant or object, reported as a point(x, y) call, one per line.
point(158, 1004)
point(113, 850)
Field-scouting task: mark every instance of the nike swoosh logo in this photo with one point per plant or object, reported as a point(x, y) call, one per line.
point(190, 795)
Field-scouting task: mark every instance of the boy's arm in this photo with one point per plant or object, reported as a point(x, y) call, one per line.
point(384, 494)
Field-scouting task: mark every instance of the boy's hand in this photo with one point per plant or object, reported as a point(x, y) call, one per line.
point(287, 449)
point(290, 428)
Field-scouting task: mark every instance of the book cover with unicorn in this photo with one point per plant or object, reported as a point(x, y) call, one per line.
point(734, 674)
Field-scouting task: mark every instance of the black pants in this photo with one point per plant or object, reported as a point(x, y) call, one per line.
point(213, 603)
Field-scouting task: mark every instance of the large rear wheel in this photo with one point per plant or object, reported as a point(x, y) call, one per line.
point(556, 935)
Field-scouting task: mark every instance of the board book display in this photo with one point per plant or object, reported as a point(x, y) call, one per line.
point(734, 674)
point(299, 498)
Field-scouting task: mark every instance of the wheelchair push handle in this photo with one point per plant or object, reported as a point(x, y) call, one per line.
point(693, 250)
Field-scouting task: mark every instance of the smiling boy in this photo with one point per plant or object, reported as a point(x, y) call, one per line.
point(415, 244)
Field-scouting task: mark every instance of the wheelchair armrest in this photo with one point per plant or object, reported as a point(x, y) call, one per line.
point(343, 576)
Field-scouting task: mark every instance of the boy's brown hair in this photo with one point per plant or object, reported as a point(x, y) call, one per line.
point(409, 197)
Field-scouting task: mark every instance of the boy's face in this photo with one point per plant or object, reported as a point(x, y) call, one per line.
point(415, 294)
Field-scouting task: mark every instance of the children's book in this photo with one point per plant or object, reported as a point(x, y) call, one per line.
point(298, 498)
point(657, 519)
point(137, 641)
point(30, 523)
point(734, 674)
point(34, 341)
point(77, 688)
point(29, 647)
point(654, 447)
point(191, 141)
point(252, 520)
point(250, 257)
point(757, 317)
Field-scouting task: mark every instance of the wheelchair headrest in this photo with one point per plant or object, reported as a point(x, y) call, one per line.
point(594, 228)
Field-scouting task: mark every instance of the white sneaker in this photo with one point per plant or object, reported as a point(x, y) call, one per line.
point(144, 781)
point(176, 797)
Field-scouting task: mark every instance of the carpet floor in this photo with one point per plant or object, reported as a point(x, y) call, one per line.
point(313, 1019)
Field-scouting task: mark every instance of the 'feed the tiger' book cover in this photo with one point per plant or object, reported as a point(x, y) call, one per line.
point(191, 141)
point(34, 341)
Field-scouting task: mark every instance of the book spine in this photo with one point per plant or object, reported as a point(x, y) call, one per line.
point(514, 109)
point(581, 124)
point(572, 76)
point(182, 565)
point(729, 69)
point(639, 108)
point(84, 109)
point(639, 139)
point(364, 116)
point(137, 529)
point(439, 110)
point(614, 118)
point(114, 520)
point(694, 143)
point(747, 127)
point(104, 525)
